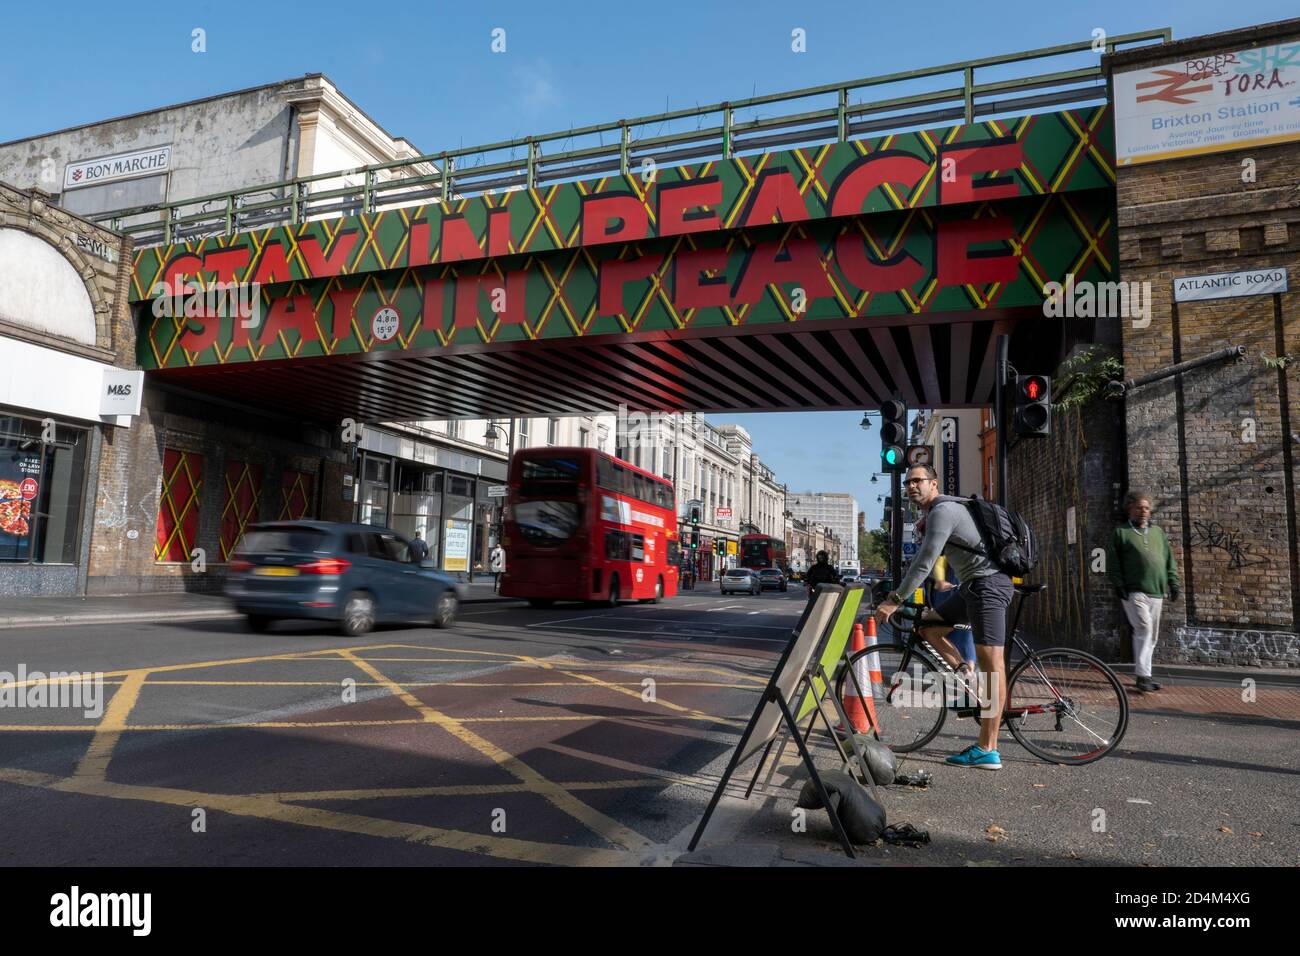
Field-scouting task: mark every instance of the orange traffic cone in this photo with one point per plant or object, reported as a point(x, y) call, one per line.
point(859, 710)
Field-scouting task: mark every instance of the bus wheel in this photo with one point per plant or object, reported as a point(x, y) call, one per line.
point(614, 593)
point(659, 593)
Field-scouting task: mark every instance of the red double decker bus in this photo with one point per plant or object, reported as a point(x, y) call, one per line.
point(582, 525)
point(762, 551)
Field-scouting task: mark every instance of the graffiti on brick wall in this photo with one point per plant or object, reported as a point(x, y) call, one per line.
point(1255, 647)
point(1213, 535)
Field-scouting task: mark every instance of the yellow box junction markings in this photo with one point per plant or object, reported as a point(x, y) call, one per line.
point(90, 776)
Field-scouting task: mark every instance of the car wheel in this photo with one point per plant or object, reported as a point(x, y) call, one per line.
point(257, 623)
point(614, 593)
point(358, 614)
point(444, 614)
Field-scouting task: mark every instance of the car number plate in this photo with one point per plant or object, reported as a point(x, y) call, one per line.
point(276, 572)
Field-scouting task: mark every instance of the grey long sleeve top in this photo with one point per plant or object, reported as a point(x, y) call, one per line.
point(947, 521)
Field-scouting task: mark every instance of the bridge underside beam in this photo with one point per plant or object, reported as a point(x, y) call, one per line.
point(932, 361)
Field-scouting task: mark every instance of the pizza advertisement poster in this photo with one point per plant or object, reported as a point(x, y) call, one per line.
point(19, 486)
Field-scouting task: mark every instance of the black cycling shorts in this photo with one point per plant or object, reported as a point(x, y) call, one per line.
point(982, 603)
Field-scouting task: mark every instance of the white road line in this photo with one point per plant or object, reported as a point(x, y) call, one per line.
point(588, 617)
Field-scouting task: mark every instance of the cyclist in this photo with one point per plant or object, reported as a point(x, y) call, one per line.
point(981, 601)
point(823, 572)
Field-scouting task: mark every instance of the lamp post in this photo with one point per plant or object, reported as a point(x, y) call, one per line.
point(489, 436)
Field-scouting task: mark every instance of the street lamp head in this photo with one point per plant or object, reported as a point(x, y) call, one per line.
point(865, 424)
point(875, 479)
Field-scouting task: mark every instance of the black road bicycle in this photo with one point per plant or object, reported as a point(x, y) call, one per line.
point(1063, 705)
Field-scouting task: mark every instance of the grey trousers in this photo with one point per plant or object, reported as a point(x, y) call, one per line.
point(1143, 613)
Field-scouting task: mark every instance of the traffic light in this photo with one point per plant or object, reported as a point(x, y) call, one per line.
point(1033, 405)
point(719, 547)
point(893, 433)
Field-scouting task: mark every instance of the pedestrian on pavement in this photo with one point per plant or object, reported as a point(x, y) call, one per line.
point(981, 601)
point(497, 564)
point(419, 550)
point(1140, 563)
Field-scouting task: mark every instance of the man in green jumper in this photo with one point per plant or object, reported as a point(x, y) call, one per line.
point(1141, 565)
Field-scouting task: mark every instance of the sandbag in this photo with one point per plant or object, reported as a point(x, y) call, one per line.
point(881, 761)
point(862, 817)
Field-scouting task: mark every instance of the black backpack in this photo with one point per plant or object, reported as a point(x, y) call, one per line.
point(1008, 540)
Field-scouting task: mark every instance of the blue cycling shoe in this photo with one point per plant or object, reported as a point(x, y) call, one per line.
point(973, 756)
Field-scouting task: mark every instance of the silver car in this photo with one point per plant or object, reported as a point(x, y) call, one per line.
point(739, 580)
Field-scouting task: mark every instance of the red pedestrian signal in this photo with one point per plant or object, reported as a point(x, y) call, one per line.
point(1033, 405)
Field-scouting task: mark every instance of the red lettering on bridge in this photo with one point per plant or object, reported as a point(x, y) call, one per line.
point(775, 195)
point(688, 207)
point(601, 211)
point(318, 263)
point(980, 158)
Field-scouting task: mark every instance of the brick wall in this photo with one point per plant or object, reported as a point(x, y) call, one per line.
point(1076, 467)
point(130, 485)
point(1227, 502)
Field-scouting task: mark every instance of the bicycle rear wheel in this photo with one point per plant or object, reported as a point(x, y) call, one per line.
point(909, 706)
point(1066, 706)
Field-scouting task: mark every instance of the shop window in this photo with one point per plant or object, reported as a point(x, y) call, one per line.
point(242, 504)
point(178, 505)
point(42, 477)
point(296, 489)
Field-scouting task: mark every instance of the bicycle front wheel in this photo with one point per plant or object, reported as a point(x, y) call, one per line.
point(1066, 706)
point(908, 706)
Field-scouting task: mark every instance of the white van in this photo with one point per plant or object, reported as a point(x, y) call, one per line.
point(850, 571)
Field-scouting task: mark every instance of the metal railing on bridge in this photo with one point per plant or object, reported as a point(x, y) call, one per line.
point(477, 170)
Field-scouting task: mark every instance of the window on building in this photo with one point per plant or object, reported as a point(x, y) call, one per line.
point(41, 486)
point(521, 432)
point(552, 431)
point(584, 435)
point(453, 429)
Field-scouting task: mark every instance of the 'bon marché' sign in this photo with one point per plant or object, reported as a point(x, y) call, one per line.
point(1208, 104)
point(90, 172)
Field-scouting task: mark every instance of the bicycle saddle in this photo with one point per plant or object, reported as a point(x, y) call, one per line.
point(1030, 588)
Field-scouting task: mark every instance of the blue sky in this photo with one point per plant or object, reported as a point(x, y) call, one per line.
point(426, 71)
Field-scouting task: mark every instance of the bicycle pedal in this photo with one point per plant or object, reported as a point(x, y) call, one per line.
point(968, 711)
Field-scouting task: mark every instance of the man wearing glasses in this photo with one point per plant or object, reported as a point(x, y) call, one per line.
point(981, 600)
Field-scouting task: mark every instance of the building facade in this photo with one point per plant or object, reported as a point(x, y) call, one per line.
point(833, 509)
point(715, 469)
point(68, 395)
point(222, 466)
point(954, 437)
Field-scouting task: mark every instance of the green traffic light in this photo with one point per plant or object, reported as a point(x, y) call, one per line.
point(890, 455)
